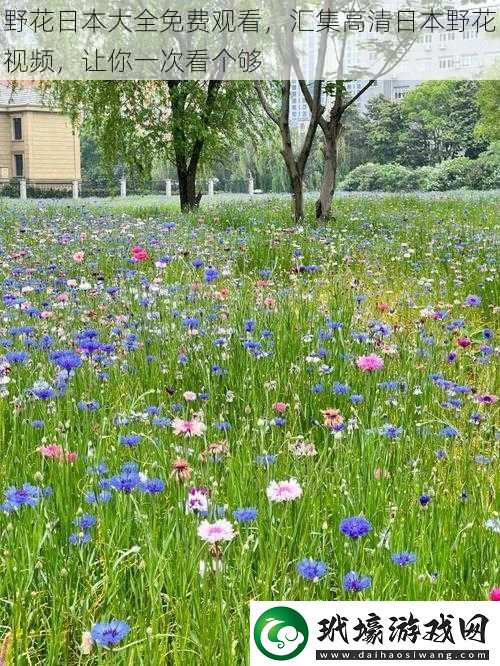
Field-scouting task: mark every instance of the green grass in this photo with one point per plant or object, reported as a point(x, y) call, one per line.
point(142, 563)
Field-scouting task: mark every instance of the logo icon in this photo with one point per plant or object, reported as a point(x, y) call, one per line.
point(281, 633)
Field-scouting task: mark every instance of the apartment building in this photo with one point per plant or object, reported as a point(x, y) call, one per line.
point(36, 142)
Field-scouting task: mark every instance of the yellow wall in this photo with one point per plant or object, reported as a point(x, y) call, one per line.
point(51, 149)
point(5, 141)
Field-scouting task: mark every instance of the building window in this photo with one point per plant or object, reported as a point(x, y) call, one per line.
point(446, 36)
point(399, 93)
point(425, 39)
point(469, 60)
point(446, 63)
point(17, 129)
point(19, 165)
point(424, 65)
point(470, 34)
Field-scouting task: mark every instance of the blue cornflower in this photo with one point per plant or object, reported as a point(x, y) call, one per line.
point(245, 515)
point(441, 454)
point(18, 357)
point(211, 274)
point(390, 431)
point(356, 399)
point(449, 431)
point(404, 558)
point(130, 440)
point(88, 405)
point(267, 459)
point(79, 538)
point(424, 500)
point(109, 633)
point(26, 495)
point(312, 569)
point(85, 521)
point(97, 498)
point(354, 582)
point(125, 482)
point(162, 421)
point(278, 421)
point(42, 390)
point(355, 527)
point(340, 389)
point(472, 300)
point(37, 423)
point(197, 263)
point(66, 359)
point(152, 486)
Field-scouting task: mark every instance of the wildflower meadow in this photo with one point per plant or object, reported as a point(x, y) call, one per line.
point(201, 410)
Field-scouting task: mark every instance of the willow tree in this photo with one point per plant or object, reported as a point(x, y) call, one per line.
point(187, 123)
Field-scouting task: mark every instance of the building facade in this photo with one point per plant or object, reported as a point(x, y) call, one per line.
point(37, 143)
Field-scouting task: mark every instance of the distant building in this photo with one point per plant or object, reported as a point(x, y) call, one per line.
point(37, 143)
point(440, 54)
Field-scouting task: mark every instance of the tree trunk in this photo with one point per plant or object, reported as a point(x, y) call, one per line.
point(297, 187)
point(324, 202)
point(187, 190)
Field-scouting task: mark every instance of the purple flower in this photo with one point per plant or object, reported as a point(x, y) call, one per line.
point(312, 569)
point(404, 558)
point(354, 582)
point(355, 527)
point(109, 633)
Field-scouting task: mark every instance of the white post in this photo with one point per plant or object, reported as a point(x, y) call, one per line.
point(22, 189)
point(168, 187)
point(75, 189)
point(211, 187)
point(250, 184)
point(123, 187)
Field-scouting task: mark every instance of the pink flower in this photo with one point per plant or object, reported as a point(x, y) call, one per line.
point(189, 396)
point(283, 491)
point(370, 362)
point(188, 427)
point(139, 253)
point(495, 594)
point(280, 407)
point(56, 452)
point(270, 302)
point(464, 343)
point(51, 451)
point(197, 500)
point(79, 256)
point(332, 417)
point(486, 398)
point(221, 530)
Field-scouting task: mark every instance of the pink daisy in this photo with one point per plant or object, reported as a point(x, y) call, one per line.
point(188, 427)
point(283, 491)
point(221, 530)
point(495, 594)
point(370, 362)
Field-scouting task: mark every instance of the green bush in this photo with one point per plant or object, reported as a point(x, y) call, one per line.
point(482, 173)
point(386, 177)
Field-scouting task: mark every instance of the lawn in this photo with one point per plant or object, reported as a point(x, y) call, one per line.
point(201, 410)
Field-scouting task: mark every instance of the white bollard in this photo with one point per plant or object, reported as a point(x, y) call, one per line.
point(168, 187)
point(211, 187)
point(123, 187)
point(250, 185)
point(76, 192)
point(22, 189)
